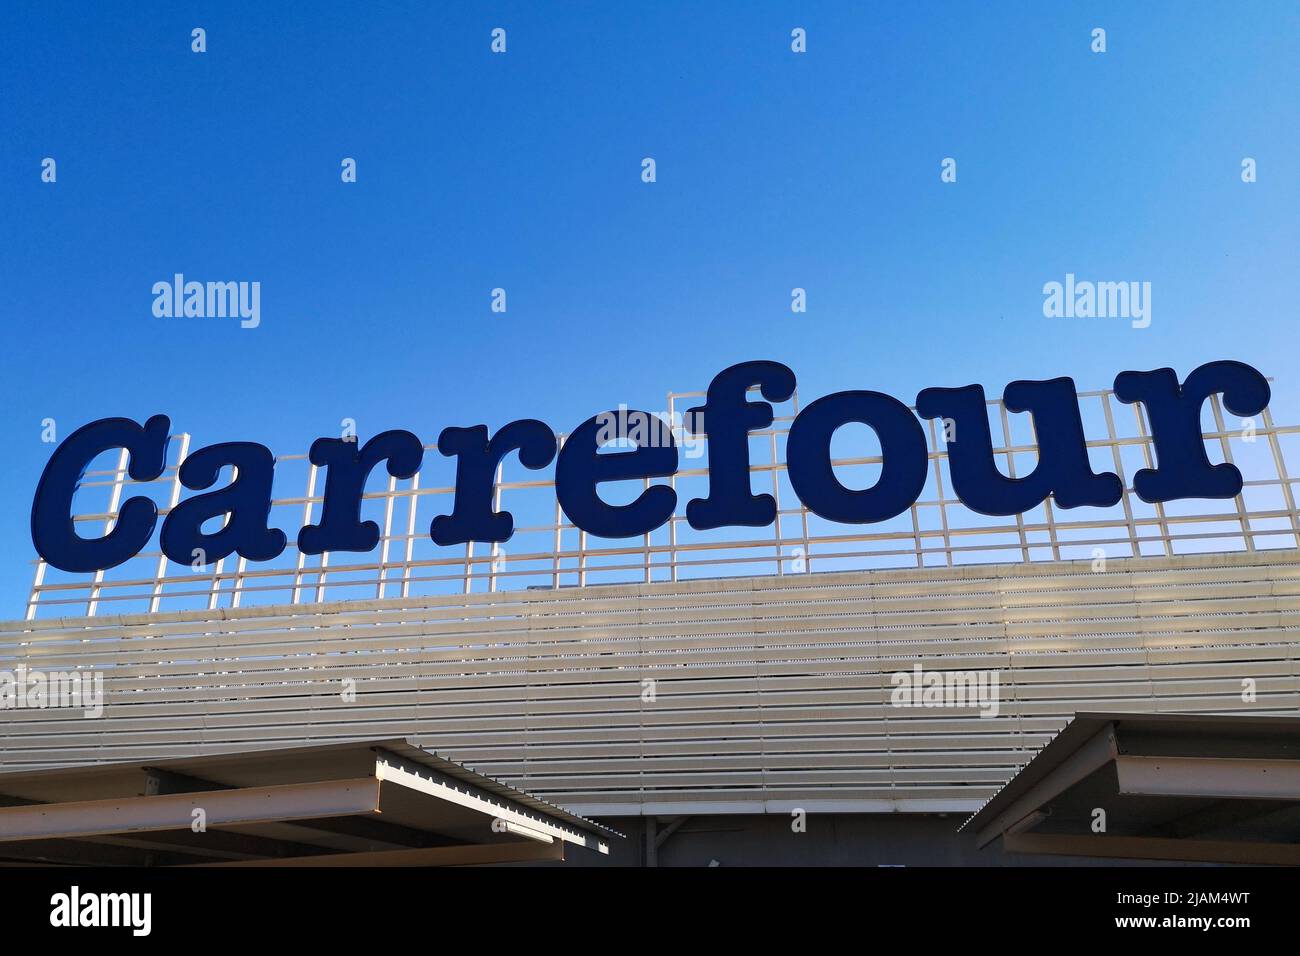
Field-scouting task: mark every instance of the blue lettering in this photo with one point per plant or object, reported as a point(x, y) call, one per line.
point(1062, 471)
point(341, 527)
point(727, 417)
point(903, 451)
point(581, 467)
point(1183, 470)
point(53, 530)
point(472, 517)
point(246, 503)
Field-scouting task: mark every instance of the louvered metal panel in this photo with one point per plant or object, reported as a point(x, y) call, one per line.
point(768, 693)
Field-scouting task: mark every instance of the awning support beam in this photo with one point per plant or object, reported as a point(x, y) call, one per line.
point(86, 818)
point(524, 851)
point(1226, 777)
point(1154, 848)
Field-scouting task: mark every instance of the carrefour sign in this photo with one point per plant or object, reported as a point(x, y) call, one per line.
point(726, 418)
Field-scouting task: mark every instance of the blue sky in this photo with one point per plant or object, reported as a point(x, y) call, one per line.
point(522, 171)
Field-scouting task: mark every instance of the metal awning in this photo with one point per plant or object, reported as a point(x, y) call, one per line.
point(370, 803)
point(1215, 789)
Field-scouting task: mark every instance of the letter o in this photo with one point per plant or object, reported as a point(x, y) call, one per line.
point(902, 444)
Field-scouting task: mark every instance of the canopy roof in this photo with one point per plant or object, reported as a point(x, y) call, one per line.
point(368, 803)
point(1222, 789)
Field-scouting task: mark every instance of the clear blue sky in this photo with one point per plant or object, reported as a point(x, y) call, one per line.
point(522, 171)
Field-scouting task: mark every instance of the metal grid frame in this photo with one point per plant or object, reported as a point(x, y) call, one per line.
point(396, 571)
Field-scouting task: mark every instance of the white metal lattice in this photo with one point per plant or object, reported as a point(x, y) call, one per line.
point(548, 551)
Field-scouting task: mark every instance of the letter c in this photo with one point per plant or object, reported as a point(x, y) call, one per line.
point(53, 530)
